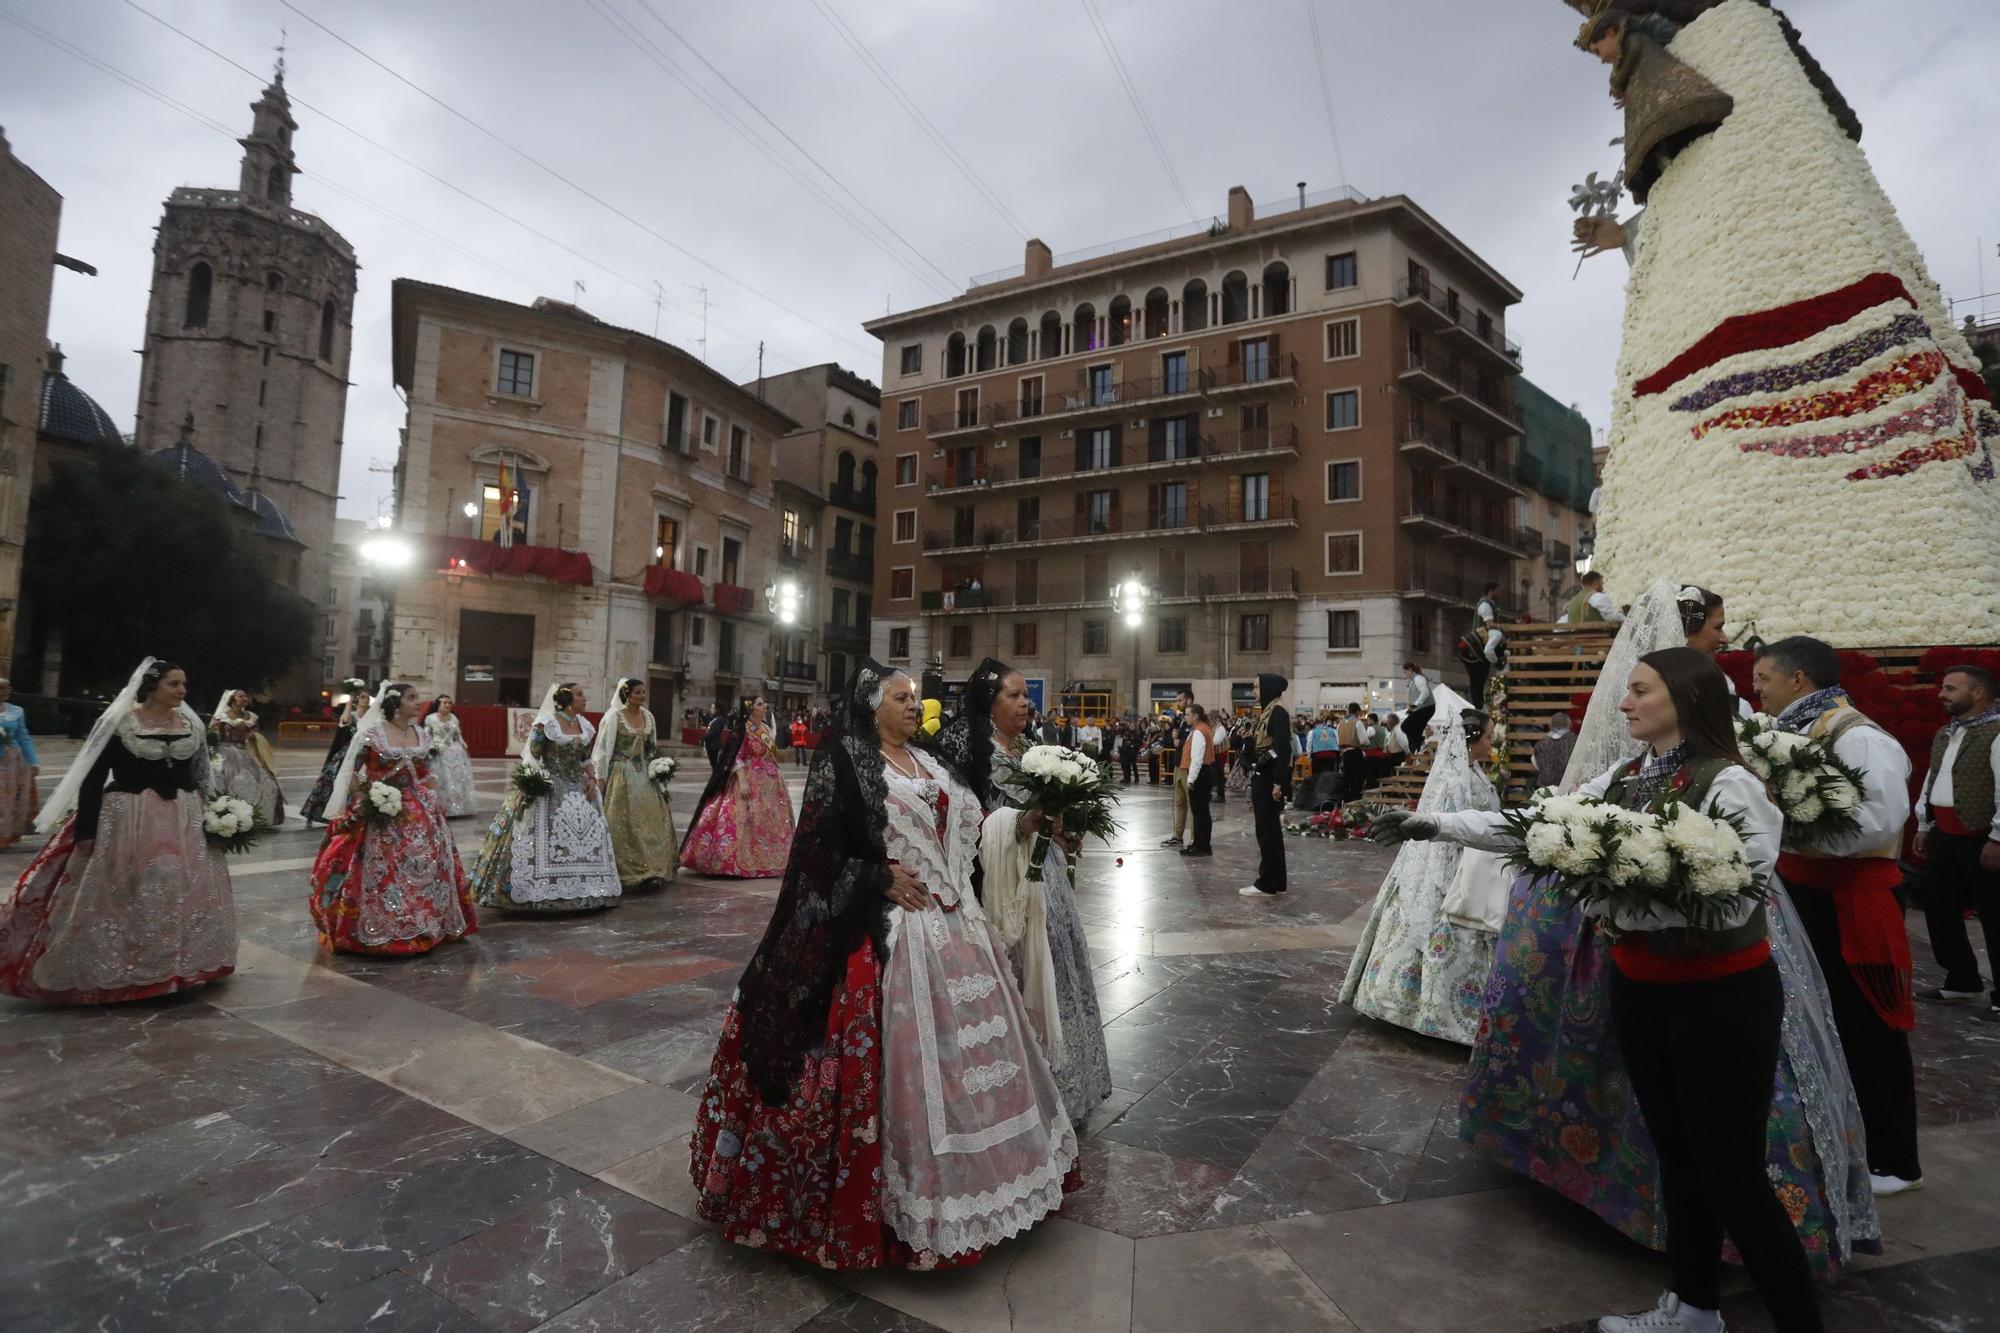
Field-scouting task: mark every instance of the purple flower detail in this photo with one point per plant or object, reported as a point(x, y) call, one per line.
point(1902, 330)
point(1946, 411)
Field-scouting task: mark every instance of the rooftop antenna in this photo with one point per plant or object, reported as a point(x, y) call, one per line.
point(576, 290)
point(702, 342)
point(659, 298)
point(760, 368)
point(1302, 194)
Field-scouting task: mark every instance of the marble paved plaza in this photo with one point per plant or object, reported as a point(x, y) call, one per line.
point(494, 1137)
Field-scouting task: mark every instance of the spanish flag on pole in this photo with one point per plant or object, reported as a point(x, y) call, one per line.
point(506, 488)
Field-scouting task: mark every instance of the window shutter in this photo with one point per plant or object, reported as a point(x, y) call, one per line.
point(1115, 496)
point(1117, 445)
point(1082, 514)
point(1235, 498)
point(1082, 450)
point(1276, 482)
point(1153, 506)
point(1156, 440)
point(1274, 350)
point(1235, 352)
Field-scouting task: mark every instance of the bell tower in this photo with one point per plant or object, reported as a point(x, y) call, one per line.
point(268, 165)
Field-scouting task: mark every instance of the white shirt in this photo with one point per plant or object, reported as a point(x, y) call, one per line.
point(1197, 752)
point(1089, 735)
point(1885, 791)
point(1937, 791)
point(1735, 792)
point(1398, 742)
point(1487, 615)
point(1601, 602)
point(1420, 691)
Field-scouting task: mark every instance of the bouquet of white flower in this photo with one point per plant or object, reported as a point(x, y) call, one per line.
point(531, 782)
point(231, 824)
point(1065, 783)
point(384, 804)
point(1817, 793)
point(662, 771)
point(1635, 862)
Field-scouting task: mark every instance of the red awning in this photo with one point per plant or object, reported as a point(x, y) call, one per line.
point(731, 599)
point(469, 555)
point(673, 585)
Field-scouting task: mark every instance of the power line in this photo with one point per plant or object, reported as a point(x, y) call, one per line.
point(923, 122)
point(647, 5)
point(210, 123)
point(665, 240)
point(1325, 90)
point(1132, 93)
point(625, 28)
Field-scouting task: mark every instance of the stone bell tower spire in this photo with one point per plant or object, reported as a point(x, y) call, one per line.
point(268, 165)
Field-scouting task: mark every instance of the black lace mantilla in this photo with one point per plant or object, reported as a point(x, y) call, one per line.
point(831, 898)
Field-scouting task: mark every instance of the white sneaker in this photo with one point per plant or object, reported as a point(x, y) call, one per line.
point(1887, 1185)
point(1252, 891)
point(1669, 1316)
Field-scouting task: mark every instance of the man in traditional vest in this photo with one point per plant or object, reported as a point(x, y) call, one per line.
point(1177, 753)
point(1845, 892)
point(1959, 835)
point(1353, 734)
point(1591, 604)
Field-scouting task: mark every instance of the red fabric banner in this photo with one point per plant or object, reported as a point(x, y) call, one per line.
point(469, 555)
point(731, 599)
point(673, 585)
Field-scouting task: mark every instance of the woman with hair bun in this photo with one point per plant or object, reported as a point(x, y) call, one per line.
point(636, 808)
point(388, 878)
point(126, 900)
point(743, 826)
point(548, 849)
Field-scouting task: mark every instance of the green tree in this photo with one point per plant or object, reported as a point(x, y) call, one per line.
point(127, 560)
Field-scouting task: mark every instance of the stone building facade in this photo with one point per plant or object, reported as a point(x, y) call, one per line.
point(248, 331)
point(644, 531)
point(835, 453)
point(1295, 427)
point(30, 211)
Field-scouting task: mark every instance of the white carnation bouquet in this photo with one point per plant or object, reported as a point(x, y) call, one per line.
point(1816, 792)
point(662, 770)
point(1635, 862)
point(382, 803)
point(1067, 784)
point(231, 824)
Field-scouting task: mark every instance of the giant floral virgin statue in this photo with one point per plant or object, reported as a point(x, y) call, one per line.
point(1795, 418)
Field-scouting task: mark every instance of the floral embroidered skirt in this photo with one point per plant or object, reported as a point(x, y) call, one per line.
point(549, 854)
point(746, 831)
point(1546, 1094)
point(642, 826)
point(19, 803)
point(453, 767)
point(391, 889)
point(151, 912)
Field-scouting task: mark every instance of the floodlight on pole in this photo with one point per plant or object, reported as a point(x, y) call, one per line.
point(388, 551)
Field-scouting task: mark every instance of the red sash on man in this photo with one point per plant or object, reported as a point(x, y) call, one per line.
point(1873, 941)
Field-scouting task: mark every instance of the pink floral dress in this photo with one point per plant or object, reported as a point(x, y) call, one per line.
point(745, 831)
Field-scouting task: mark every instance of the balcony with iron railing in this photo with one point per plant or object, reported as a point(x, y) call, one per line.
point(729, 663)
point(1423, 302)
point(844, 638)
point(1528, 540)
point(1133, 391)
point(1487, 404)
point(1176, 521)
point(1504, 353)
point(960, 477)
point(851, 497)
point(805, 672)
point(849, 565)
point(1254, 372)
point(1419, 580)
point(1458, 524)
point(1430, 374)
point(1231, 584)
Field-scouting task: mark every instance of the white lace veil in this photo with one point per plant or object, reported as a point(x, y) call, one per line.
point(545, 718)
point(63, 799)
point(1653, 623)
point(607, 731)
point(222, 705)
point(343, 782)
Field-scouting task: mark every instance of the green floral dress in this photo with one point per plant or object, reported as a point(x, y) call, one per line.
point(641, 817)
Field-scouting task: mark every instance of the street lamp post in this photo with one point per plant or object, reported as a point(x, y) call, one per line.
point(1131, 598)
point(389, 554)
point(787, 602)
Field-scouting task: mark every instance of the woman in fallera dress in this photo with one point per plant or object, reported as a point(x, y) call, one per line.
point(451, 763)
point(19, 766)
point(126, 900)
point(351, 705)
point(243, 764)
point(1040, 927)
point(877, 1100)
point(551, 853)
point(1547, 1093)
point(636, 808)
point(389, 883)
point(743, 826)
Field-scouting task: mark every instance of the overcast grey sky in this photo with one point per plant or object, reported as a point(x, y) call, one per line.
point(1477, 109)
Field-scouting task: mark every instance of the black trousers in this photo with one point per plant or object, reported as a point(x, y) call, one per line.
point(1264, 810)
point(1702, 1057)
point(1476, 673)
point(1199, 794)
point(1129, 760)
point(1324, 761)
point(1878, 1056)
point(1353, 772)
point(1414, 724)
point(1952, 881)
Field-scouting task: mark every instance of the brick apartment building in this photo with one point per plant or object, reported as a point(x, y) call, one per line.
point(30, 213)
point(645, 533)
point(1296, 429)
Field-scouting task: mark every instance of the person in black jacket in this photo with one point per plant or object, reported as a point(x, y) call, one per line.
point(714, 739)
point(1270, 783)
